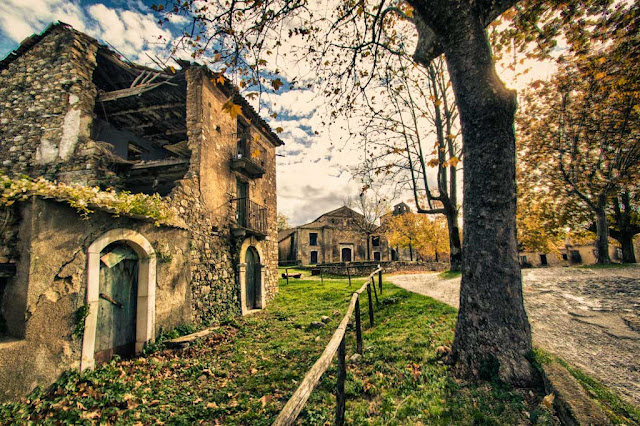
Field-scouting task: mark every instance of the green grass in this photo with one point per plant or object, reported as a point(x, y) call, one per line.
point(246, 370)
point(447, 275)
point(618, 410)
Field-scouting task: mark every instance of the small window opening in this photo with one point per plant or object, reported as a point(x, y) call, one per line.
point(543, 260)
point(375, 241)
point(313, 239)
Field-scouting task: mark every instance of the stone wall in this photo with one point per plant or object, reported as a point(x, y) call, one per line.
point(46, 106)
point(50, 285)
point(365, 268)
point(204, 197)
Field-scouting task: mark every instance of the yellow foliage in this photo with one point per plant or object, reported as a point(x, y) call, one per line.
point(232, 109)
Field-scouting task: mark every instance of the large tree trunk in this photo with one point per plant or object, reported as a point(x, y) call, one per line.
point(628, 252)
point(602, 231)
point(493, 336)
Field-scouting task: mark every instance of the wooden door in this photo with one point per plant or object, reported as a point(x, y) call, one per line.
point(117, 306)
point(252, 279)
point(346, 254)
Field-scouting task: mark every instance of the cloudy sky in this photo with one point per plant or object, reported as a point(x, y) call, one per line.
point(313, 169)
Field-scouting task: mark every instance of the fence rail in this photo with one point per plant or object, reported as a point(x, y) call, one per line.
point(337, 344)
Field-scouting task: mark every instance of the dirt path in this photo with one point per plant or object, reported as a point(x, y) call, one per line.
point(589, 317)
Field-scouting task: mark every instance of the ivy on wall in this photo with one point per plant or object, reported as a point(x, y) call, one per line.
point(82, 197)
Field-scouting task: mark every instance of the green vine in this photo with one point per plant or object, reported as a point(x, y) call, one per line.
point(81, 197)
point(79, 317)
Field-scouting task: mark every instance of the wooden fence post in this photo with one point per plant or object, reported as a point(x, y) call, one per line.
point(349, 274)
point(342, 375)
point(286, 272)
point(370, 304)
point(358, 327)
point(375, 292)
point(380, 279)
point(321, 278)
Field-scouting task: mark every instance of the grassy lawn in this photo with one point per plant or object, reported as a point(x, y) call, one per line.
point(245, 371)
point(447, 275)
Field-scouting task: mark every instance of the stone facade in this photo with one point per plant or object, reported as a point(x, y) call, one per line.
point(71, 110)
point(335, 236)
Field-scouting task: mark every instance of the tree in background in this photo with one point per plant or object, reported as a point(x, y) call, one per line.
point(282, 221)
point(412, 137)
point(372, 206)
point(581, 132)
point(404, 231)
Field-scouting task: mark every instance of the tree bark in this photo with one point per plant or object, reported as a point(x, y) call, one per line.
point(628, 252)
point(493, 336)
point(627, 229)
point(455, 251)
point(602, 231)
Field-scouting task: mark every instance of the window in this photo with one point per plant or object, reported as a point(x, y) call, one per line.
point(564, 256)
point(376, 256)
point(543, 259)
point(375, 241)
point(243, 139)
point(575, 256)
point(313, 238)
point(314, 257)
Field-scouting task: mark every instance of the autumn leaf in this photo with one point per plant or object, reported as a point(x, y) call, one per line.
point(279, 130)
point(433, 162)
point(220, 79)
point(234, 110)
point(255, 154)
point(453, 161)
point(277, 83)
point(265, 400)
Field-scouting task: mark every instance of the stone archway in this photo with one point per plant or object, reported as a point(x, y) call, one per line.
point(146, 291)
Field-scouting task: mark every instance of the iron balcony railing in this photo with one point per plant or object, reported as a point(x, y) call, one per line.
point(250, 215)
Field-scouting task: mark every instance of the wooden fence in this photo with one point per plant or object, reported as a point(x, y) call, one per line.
point(296, 403)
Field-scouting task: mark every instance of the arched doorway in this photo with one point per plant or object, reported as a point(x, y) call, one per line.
point(117, 306)
point(252, 279)
point(139, 268)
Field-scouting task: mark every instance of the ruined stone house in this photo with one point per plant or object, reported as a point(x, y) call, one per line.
point(336, 236)
point(74, 290)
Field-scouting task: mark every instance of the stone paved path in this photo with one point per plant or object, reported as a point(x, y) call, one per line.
point(589, 317)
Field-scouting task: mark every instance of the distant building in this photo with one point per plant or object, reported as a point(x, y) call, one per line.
point(336, 236)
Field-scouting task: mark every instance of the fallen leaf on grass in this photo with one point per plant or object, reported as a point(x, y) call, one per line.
point(265, 400)
point(547, 401)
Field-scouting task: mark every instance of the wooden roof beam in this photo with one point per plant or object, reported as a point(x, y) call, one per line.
point(147, 109)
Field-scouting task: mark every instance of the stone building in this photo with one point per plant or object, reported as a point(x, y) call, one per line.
point(74, 290)
point(336, 236)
